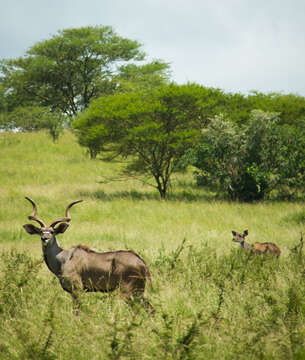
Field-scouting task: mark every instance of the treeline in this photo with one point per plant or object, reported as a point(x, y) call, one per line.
point(119, 104)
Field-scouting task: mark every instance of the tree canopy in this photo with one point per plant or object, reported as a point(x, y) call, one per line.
point(133, 77)
point(153, 127)
point(73, 67)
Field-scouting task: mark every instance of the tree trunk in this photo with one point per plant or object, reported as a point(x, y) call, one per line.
point(161, 186)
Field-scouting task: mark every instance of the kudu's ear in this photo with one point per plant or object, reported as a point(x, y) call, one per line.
point(31, 229)
point(246, 233)
point(61, 228)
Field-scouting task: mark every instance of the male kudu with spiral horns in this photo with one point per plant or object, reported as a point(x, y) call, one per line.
point(81, 268)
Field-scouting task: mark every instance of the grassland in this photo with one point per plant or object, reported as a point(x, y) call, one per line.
point(211, 300)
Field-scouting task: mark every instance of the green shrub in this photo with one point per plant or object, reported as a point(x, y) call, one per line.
point(248, 162)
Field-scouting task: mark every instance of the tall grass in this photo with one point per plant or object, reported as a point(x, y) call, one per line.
point(212, 301)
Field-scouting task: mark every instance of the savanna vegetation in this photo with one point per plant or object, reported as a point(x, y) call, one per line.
point(166, 170)
point(211, 300)
point(121, 104)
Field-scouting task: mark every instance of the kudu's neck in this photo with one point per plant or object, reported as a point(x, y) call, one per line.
point(245, 245)
point(50, 255)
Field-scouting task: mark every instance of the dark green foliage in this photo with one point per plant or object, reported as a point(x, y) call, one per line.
point(292, 160)
point(250, 161)
point(290, 107)
point(238, 107)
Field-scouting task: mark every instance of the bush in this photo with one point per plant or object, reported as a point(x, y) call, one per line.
point(248, 162)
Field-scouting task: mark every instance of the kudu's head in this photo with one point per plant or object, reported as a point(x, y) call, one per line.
point(47, 233)
point(237, 237)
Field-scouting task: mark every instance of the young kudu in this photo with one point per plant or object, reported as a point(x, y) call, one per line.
point(81, 268)
point(257, 248)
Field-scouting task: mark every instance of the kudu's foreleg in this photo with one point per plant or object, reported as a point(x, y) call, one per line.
point(73, 286)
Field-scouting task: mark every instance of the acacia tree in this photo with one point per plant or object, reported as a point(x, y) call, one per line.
point(71, 68)
point(153, 128)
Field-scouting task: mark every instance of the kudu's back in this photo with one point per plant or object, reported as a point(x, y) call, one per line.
point(267, 248)
point(108, 271)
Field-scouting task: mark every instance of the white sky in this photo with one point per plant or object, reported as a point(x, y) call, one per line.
point(234, 45)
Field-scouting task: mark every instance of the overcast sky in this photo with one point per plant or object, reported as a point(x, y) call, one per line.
point(234, 45)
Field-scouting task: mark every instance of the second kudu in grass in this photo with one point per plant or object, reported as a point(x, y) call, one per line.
point(256, 248)
point(81, 268)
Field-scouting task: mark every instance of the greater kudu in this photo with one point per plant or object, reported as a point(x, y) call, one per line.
point(81, 268)
point(257, 248)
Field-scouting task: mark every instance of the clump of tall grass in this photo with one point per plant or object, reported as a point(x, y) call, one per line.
point(18, 271)
point(208, 306)
point(297, 217)
point(18, 280)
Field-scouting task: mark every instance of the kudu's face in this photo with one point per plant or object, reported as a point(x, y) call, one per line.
point(239, 238)
point(47, 233)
